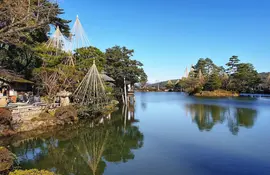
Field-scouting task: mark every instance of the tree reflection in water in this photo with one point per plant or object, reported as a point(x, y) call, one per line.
point(206, 116)
point(86, 148)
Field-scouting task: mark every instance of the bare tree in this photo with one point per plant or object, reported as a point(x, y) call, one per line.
point(19, 17)
point(49, 79)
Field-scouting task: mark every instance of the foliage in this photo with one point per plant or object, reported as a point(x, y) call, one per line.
point(22, 21)
point(217, 93)
point(245, 79)
point(119, 65)
point(213, 83)
point(169, 85)
point(232, 65)
point(31, 172)
point(85, 57)
point(21, 60)
point(191, 85)
point(20, 31)
point(240, 77)
point(265, 85)
point(54, 75)
point(205, 66)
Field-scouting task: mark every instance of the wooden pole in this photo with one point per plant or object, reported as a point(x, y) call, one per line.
point(123, 99)
point(125, 90)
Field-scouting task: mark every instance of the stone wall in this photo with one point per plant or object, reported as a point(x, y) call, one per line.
point(26, 113)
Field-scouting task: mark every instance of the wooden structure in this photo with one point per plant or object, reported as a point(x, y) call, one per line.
point(109, 81)
point(10, 84)
point(129, 95)
point(13, 81)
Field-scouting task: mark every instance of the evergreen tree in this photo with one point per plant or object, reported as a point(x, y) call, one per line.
point(246, 78)
point(213, 83)
point(232, 65)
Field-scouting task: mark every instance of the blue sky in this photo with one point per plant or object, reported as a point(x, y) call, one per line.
point(170, 35)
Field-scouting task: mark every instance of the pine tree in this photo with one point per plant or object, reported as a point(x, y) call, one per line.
point(232, 64)
point(213, 83)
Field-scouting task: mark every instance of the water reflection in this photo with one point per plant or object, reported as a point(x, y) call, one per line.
point(207, 116)
point(143, 97)
point(86, 148)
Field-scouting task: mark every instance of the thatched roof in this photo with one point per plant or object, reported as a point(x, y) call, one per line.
point(10, 77)
point(106, 78)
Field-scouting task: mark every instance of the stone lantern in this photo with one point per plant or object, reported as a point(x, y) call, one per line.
point(64, 97)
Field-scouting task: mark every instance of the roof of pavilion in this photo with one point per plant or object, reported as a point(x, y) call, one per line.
point(11, 77)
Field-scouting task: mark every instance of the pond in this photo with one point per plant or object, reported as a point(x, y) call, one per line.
point(165, 133)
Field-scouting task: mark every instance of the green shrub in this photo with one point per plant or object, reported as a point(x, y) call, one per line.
point(31, 172)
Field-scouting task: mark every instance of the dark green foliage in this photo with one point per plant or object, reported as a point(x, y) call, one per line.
point(213, 83)
point(232, 64)
point(21, 56)
point(119, 65)
point(22, 60)
point(206, 66)
point(245, 79)
point(85, 57)
point(240, 77)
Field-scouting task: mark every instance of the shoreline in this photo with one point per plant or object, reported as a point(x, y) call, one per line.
point(217, 93)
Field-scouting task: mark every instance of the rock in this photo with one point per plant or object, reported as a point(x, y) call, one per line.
point(67, 114)
point(6, 160)
point(45, 115)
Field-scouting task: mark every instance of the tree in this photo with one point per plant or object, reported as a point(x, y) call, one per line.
point(54, 76)
point(19, 18)
point(85, 57)
point(169, 85)
point(204, 67)
point(268, 80)
point(21, 60)
point(213, 83)
point(232, 65)
point(18, 50)
point(119, 65)
point(200, 66)
point(246, 78)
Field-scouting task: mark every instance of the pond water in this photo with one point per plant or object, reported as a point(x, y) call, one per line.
point(165, 133)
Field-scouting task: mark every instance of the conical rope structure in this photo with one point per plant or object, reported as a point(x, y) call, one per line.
point(91, 90)
point(57, 40)
point(79, 38)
